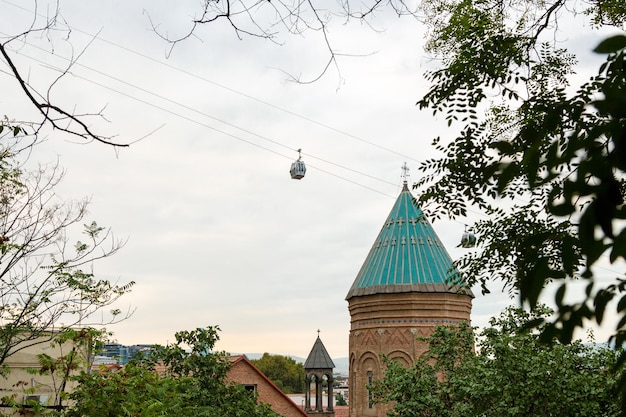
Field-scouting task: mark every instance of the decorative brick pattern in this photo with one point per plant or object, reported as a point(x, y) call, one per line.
point(390, 324)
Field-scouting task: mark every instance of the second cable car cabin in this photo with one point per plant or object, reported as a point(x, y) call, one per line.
point(468, 239)
point(298, 169)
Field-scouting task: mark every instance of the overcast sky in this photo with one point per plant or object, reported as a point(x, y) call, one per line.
point(217, 232)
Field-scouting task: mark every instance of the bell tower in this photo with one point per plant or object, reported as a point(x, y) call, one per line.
point(318, 369)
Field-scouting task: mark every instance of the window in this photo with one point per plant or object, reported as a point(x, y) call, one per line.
point(352, 392)
point(249, 387)
point(369, 391)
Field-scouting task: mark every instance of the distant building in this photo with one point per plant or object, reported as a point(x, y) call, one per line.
point(122, 354)
point(103, 360)
point(406, 287)
point(116, 351)
point(23, 386)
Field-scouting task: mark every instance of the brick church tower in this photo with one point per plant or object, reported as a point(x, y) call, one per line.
point(406, 287)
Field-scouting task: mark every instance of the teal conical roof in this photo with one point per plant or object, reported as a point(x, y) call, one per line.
point(407, 256)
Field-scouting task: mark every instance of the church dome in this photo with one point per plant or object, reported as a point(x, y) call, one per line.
point(407, 256)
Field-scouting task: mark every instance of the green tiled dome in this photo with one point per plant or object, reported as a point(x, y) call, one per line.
point(407, 256)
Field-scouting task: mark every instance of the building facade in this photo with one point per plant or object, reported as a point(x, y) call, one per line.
point(243, 372)
point(406, 287)
point(21, 385)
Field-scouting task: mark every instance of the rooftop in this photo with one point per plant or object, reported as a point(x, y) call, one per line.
point(407, 255)
point(319, 357)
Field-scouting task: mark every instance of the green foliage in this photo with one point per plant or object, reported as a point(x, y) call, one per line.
point(512, 374)
point(133, 391)
point(546, 163)
point(285, 372)
point(192, 382)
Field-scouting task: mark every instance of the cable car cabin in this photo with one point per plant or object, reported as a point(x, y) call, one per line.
point(298, 169)
point(468, 240)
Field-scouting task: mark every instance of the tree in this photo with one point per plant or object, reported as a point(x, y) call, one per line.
point(47, 283)
point(285, 372)
point(545, 163)
point(513, 373)
point(193, 383)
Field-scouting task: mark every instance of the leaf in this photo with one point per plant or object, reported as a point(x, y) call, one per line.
point(504, 147)
point(621, 305)
point(600, 302)
point(564, 209)
point(619, 246)
point(592, 248)
point(611, 44)
point(560, 294)
point(509, 172)
point(533, 282)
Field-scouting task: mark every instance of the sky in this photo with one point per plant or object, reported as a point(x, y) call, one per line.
point(215, 230)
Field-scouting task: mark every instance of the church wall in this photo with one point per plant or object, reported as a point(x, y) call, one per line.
point(390, 324)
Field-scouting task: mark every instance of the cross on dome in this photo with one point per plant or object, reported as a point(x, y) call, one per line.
point(405, 173)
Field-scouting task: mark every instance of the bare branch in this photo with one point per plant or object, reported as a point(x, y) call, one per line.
point(55, 115)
